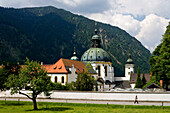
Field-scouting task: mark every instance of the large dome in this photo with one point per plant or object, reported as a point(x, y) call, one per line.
point(96, 54)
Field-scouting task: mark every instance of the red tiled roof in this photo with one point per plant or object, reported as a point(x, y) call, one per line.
point(133, 77)
point(47, 67)
point(62, 65)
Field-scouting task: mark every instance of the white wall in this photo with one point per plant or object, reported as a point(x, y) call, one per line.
point(58, 78)
point(121, 79)
point(129, 68)
point(100, 95)
point(132, 86)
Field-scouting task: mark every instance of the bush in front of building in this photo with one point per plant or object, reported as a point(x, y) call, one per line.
point(59, 86)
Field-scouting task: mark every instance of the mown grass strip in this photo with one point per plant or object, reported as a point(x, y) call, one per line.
point(50, 107)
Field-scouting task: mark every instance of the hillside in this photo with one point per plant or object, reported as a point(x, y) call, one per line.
point(47, 34)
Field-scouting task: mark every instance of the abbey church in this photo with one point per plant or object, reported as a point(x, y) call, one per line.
point(65, 70)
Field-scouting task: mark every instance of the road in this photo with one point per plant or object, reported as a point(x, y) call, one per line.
point(91, 101)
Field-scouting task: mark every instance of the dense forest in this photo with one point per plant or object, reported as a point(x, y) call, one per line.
point(47, 34)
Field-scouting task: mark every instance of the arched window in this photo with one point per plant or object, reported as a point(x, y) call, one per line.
point(105, 68)
point(62, 79)
point(98, 67)
point(55, 79)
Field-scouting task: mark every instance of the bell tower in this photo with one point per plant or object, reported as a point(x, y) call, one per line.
point(129, 67)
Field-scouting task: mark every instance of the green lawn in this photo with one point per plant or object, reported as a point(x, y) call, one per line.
point(47, 107)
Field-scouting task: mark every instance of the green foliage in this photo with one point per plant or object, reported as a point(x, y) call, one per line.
point(153, 80)
point(7, 70)
point(31, 77)
point(84, 82)
point(160, 60)
point(47, 34)
point(59, 86)
point(138, 83)
point(71, 86)
point(2, 80)
point(143, 80)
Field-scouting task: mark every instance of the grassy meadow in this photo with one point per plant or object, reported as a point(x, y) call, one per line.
point(48, 107)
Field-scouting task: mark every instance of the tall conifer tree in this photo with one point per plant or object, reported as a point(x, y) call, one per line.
point(138, 83)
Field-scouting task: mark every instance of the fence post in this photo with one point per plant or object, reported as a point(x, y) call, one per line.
point(124, 106)
point(18, 100)
point(5, 100)
point(162, 105)
point(107, 105)
point(5, 97)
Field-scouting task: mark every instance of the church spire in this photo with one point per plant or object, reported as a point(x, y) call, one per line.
point(74, 53)
point(130, 56)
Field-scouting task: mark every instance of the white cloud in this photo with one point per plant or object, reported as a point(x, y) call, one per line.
point(152, 29)
point(149, 31)
point(125, 22)
point(143, 7)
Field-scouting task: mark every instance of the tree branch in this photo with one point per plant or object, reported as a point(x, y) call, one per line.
point(25, 95)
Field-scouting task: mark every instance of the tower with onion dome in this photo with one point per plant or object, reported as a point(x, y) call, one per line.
point(129, 67)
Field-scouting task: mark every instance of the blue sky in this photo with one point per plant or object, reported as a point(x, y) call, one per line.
point(146, 20)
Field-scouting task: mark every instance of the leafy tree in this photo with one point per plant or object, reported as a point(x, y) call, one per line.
point(160, 60)
point(143, 80)
point(2, 79)
point(138, 83)
point(6, 70)
point(84, 82)
point(31, 77)
point(153, 80)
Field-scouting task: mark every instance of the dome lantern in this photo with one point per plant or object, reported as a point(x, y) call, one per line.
point(96, 39)
point(95, 53)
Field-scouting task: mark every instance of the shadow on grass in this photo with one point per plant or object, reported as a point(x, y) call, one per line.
point(53, 109)
point(12, 104)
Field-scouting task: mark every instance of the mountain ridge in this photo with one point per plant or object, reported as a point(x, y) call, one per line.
point(47, 34)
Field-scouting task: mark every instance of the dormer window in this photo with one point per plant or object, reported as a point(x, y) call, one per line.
point(55, 67)
point(60, 67)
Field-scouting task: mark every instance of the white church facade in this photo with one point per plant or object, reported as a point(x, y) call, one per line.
point(65, 71)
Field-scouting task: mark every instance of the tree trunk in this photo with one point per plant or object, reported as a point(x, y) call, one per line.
point(35, 103)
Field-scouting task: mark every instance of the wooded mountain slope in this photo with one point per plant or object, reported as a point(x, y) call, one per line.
point(47, 34)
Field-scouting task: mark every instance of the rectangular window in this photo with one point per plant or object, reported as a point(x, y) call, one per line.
point(55, 79)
